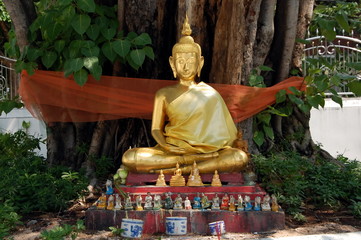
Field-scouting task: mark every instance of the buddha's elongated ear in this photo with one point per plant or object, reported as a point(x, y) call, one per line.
point(200, 65)
point(171, 63)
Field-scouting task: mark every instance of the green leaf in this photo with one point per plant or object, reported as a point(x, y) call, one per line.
point(131, 36)
point(295, 99)
point(269, 132)
point(121, 47)
point(265, 68)
point(108, 33)
point(33, 53)
point(49, 58)
point(316, 101)
point(149, 52)
point(131, 63)
point(264, 117)
point(142, 40)
point(337, 99)
point(77, 64)
point(93, 32)
point(258, 138)
point(52, 31)
point(90, 52)
point(304, 107)
point(86, 5)
point(327, 29)
point(342, 20)
point(102, 22)
point(304, 41)
point(81, 77)
point(294, 90)
point(59, 45)
point(355, 87)
point(108, 51)
point(335, 80)
point(321, 85)
point(138, 56)
point(80, 23)
point(74, 48)
point(354, 65)
point(281, 96)
point(68, 68)
point(96, 72)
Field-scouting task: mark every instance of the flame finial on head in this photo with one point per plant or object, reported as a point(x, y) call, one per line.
point(186, 31)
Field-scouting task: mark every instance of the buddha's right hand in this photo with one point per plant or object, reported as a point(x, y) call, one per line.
point(173, 149)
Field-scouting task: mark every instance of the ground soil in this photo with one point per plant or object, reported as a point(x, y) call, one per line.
point(318, 222)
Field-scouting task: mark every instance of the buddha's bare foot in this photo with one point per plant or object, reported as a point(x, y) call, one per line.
point(199, 157)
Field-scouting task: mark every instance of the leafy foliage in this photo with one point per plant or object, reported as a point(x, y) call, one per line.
point(79, 37)
point(27, 183)
point(8, 219)
point(298, 181)
point(7, 105)
point(61, 232)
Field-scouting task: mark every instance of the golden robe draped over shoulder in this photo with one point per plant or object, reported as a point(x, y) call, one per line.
point(199, 121)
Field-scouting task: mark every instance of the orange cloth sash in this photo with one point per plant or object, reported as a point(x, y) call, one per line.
point(53, 98)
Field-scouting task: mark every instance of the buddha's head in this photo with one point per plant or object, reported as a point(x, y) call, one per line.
point(186, 60)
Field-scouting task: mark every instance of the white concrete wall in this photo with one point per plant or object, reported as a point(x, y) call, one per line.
point(338, 129)
point(12, 122)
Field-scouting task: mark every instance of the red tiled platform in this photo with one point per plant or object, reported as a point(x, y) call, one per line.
point(154, 221)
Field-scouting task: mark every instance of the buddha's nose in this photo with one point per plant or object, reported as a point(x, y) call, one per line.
point(186, 67)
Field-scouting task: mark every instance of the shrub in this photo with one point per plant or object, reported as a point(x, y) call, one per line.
point(8, 219)
point(27, 183)
point(298, 181)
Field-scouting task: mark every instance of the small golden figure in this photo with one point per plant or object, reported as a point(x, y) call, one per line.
point(161, 180)
point(194, 179)
point(102, 202)
point(110, 204)
point(274, 206)
point(138, 203)
point(232, 204)
point(216, 181)
point(177, 179)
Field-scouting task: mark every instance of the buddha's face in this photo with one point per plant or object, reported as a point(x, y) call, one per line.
point(186, 65)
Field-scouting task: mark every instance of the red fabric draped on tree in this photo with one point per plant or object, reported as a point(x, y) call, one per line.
point(53, 98)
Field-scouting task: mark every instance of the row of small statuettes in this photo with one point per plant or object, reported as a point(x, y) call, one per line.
point(114, 202)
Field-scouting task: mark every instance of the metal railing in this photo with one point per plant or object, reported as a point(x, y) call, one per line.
point(344, 49)
point(9, 79)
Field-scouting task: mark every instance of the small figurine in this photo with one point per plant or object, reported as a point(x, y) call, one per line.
point(128, 203)
point(161, 180)
point(225, 201)
point(257, 203)
point(240, 206)
point(247, 203)
point(266, 203)
point(215, 202)
point(110, 202)
point(138, 203)
point(178, 203)
point(204, 202)
point(157, 202)
point(168, 202)
point(216, 181)
point(232, 204)
point(275, 206)
point(197, 202)
point(118, 202)
point(187, 204)
point(148, 205)
point(109, 187)
point(194, 178)
point(177, 179)
point(102, 202)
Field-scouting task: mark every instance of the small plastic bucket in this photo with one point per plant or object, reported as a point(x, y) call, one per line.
point(176, 225)
point(217, 228)
point(133, 228)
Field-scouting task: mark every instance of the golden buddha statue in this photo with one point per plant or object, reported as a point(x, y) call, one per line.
point(216, 181)
point(177, 179)
point(161, 180)
point(194, 179)
point(191, 123)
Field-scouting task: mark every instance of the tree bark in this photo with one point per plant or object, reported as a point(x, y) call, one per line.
point(22, 13)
